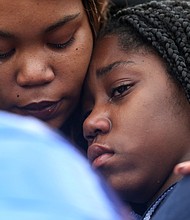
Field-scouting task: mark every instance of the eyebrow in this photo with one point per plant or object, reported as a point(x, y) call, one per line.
point(62, 22)
point(105, 70)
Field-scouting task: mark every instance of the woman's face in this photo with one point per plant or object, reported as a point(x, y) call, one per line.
point(45, 48)
point(137, 124)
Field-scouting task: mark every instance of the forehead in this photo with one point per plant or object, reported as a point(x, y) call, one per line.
point(104, 47)
point(26, 11)
point(108, 54)
point(106, 50)
point(108, 58)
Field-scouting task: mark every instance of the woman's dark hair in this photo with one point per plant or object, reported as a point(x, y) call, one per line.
point(96, 11)
point(162, 26)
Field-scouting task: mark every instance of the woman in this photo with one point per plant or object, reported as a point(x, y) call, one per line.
point(45, 49)
point(136, 102)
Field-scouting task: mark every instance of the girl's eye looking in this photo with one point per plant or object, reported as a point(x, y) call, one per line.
point(62, 45)
point(118, 91)
point(7, 54)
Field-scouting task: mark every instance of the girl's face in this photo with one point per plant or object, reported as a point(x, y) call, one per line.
point(138, 121)
point(45, 48)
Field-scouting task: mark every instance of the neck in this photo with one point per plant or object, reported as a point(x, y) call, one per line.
point(141, 207)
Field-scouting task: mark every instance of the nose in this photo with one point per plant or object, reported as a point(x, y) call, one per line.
point(34, 71)
point(95, 125)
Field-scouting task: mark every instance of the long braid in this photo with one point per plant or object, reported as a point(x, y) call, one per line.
point(165, 26)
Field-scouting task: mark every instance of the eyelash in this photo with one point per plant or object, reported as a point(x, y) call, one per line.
point(124, 88)
point(121, 90)
point(7, 54)
point(62, 46)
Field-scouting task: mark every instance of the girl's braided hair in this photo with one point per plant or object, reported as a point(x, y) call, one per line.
point(163, 27)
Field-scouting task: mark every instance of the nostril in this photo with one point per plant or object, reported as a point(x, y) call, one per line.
point(89, 137)
point(97, 131)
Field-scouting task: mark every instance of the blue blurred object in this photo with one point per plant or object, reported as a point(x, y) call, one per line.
point(43, 177)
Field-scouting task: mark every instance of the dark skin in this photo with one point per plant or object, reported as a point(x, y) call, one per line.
point(136, 128)
point(45, 49)
point(39, 60)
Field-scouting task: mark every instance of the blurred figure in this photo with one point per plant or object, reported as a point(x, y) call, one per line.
point(43, 177)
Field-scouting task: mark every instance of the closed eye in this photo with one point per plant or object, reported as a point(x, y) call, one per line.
point(7, 54)
point(62, 45)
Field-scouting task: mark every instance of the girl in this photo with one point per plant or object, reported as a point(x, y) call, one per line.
point(136, 102)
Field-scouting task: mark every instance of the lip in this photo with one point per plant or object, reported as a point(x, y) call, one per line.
point(99, 154)
point(43, 110)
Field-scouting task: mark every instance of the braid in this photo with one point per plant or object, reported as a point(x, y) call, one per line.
point(164, 26)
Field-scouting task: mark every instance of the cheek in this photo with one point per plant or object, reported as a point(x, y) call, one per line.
point(74, 63)
point(147, 129)
point(146, 113)
point(6, 80)
point(71, 70)
point(152, 135)
point(7, 84)
point(81, 60)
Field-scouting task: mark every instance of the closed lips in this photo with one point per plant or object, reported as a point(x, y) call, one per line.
point(38, 106)
point(95, 151)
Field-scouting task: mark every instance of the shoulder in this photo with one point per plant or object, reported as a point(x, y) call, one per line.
point(176, 206)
